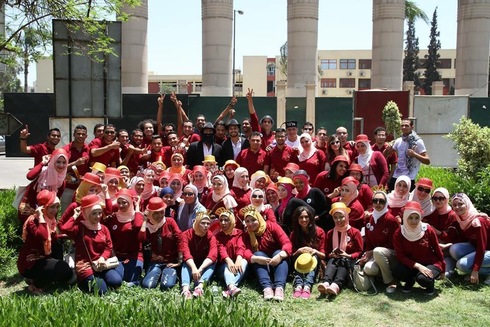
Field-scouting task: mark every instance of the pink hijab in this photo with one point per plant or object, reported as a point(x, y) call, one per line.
point(470, 217)
point(396, 200)
point(49, 178)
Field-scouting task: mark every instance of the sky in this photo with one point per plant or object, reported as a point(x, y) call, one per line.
point(174, 30)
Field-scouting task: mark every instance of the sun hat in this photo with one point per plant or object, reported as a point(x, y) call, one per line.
point(426, 182)
point(355, 167)
point(209, 158)
point(362, 138)
point(292, 166)
point(91, 178)
point(156, 204)
point(89, 201)
point(336, 206)
point(285, 180)
point(98, 166)
point(305, 263)
point(46, 198)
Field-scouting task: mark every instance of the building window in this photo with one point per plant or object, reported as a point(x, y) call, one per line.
point(270, 86)
point(328, 83)
point(347, 83)
point(444, 63)
point(347, 64)
point(364, 83)
point(328, 64)
point(271, 69)
point(364, 63)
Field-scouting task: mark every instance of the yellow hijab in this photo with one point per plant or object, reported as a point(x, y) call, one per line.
point(251, 211)
point(200, 216)
point(231, 216)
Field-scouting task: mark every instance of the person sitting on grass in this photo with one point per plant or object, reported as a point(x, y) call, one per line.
point(309, 239)
point(267, 249)
point(200, 252)
point(417, 250)
point(40, 257)
point(93, 246)
point(232, 265)
point(165, 239)
point(342, 246)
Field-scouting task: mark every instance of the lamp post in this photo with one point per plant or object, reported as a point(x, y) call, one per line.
point(240, 12)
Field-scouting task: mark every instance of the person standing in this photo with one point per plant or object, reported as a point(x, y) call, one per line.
point(38, 151)
point(381, 145)
point(279, 156)
point(252, 158)
point(206, 146)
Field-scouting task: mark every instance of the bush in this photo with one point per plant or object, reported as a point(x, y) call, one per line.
point(10, 230)
point(472, 143)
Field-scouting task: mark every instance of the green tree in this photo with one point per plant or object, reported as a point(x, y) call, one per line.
point(411, 59)
point(412, 12)
point(432, 58)
point(9, 83)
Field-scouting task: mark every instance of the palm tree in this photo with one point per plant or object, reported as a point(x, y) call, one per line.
point(412, 12)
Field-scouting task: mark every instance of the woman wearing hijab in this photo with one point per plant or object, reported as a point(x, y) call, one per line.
point(124, 226)
point(114, 182)
point(199, 178)
point(329, 181)
point(219, 197)
point(177, 166)
point(125, 175)
point(421, 194)
point(379, 254)
point(470, 235)
point(240, 190)
point(176, 183)
point(348, 195)
point(267, 248)
point(189, 208)
point(314, 198)
point(257, 200)
point(306, 238)
point(231, 249)
point(163, 179)
point(49, 175)
point(229, 168)
point(200, 252)
point(149, 190)
point(373, 163)
point(259, 180)
point(93, 246)
point(288, 203)
point(310, 159)
point(399, 196)
point(164, 237)
point(41, 255)
point(417, 250)
point(365, 193)
point(342, 246)
point(167, 195)
point(272, 196)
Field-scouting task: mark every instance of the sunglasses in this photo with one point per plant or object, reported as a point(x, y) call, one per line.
point(379, 201)
point(421, 189)
point(307, 129)
point(334, 142)
point(438, 198)
point(187, 194)
point(109, 132)
point(255, 196)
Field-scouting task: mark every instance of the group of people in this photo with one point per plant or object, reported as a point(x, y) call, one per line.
point(186, 204)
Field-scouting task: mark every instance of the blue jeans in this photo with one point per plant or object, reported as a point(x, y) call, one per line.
point(186, 274)
point(264, 272)
point(464, 254)
point(155, 271)
point(101, 281)
point(230, 279)
point(130, 271)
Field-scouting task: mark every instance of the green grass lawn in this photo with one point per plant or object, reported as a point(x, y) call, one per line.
point(457, 304)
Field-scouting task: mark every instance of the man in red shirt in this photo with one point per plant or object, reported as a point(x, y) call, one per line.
point(279, 156)
point(343, 135)
point(106, 150)
point(381, 145)
point(266, 122)
point(252, 158)
point(131, 153)
point(41, 149)
point(321, 139)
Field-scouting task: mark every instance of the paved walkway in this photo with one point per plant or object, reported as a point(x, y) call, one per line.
point(13, 171)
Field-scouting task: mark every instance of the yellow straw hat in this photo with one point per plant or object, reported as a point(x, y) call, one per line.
point(305, 263)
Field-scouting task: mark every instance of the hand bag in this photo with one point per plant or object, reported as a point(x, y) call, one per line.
point(110, 263)
point(362, 282)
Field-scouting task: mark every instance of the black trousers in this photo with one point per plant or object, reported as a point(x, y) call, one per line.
point(336, 272)
point(412, 275)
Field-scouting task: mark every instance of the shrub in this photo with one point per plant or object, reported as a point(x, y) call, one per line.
point(472, 143)
point(10, 240)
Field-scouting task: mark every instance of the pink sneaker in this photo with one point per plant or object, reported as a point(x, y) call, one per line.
point(333, 289)
point(226, 294)
point(268, 293)
point(322, 287)
point(187, 295)
point(306, 293)
point(234, 292)
point(279, 294)
point(297, 292)
point(198, 292)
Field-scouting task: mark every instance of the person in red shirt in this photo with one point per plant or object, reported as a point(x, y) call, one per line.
point(279, 156)
point(443, 215)
point(365, 192)
point(379, 256)
point(165, 240)
point(329, 181)
point(343, 245)
point(349, 195)
point(266, 123)
point(334, 149)
point(267, 248)
point(132, 152)
point(417, 249)
point(321, 139)
point(93, 246)
point(381, 145)
point(232, 266)
point(41, 149)
point(471, 235)
point(310, 159)
point(41, 254)
point(200, 251)
point(373, 163)
point(252, 158)
point(343, 135)
point(106, 150)
point(241, 190)
point(306, 238)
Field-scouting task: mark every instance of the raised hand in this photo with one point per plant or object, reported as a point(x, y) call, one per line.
point(160, 99)
point(250, 94)
point(25, 132)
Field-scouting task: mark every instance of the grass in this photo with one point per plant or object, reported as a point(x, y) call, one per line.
point(457, 304)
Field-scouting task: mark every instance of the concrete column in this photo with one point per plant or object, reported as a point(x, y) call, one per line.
point(134, 48)
point(310, 103)
point(438, 88)
point(472, 47)
point(387, 58)
point(217, 22)
point(410, 87)
point(281, 102)
point(302, 45)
